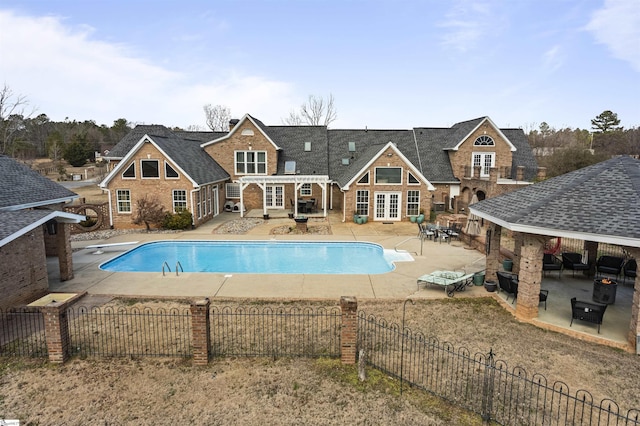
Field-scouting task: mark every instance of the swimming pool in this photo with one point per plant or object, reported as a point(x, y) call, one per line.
point(258, 257)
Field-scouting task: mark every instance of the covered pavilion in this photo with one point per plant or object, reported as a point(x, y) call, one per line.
point(596, 204)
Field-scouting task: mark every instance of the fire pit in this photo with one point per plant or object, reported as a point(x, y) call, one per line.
point(604, 291)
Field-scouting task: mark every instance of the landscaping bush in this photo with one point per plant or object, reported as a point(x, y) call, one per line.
point(179, 220)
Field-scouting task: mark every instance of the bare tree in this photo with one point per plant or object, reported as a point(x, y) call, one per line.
point(149, 211)
point(218, 117)
point(13, 113)
point(315, 112)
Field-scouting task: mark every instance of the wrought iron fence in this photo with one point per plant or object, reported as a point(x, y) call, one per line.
point(577, 246)
point(22, 333)
point(266, 331)
point(478, 382)
point(132, 332)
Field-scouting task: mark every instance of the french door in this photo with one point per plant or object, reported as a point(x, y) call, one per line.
point(387, 205)
point(274, 196)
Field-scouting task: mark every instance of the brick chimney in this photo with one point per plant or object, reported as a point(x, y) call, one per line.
point(232, 123)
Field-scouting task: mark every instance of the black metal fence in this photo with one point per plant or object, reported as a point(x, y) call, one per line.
point(478, 382)
point(266, 331)
point(22, 333)
point(129, 332)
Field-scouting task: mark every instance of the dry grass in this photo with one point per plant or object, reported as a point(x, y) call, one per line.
point(297, 391)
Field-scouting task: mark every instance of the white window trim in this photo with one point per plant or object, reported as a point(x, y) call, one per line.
point(235, 162)
point(118, 201)
point(368, 202)
point(306, 192)
point(166, 163)
point(368, 175)
point(375, 175)
point(409, 182)
point(417, 202)
point(482, 161)
point(141, 168)
point(173, 199)
point(133, 163)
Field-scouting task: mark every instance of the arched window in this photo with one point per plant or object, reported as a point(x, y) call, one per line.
point(484, 140)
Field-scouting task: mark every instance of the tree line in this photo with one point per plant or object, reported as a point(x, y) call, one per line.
point(564, 150)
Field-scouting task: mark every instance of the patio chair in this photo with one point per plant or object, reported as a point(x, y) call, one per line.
point(509, 284)
point(630, 269)
point(551, 263)
point(573, 261)
point(424, 232)
point(610, 265)
point(440, 236)
point(587, 311)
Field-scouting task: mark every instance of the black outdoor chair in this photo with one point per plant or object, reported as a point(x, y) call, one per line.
point(630, 269)
point(551, 263)
point(587, 311)
point(573, 261)
point(610, 265)
point(509, 284)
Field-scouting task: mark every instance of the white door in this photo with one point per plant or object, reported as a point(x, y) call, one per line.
point(274, 196)
point(214, 199)
point(387, 206)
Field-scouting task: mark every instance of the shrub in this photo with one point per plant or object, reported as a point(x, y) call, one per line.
point(179, 220)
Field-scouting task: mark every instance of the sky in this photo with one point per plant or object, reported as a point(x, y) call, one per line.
point(392, 64)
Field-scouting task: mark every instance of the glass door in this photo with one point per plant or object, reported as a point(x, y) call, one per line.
point(387, 206)
point(274, 196)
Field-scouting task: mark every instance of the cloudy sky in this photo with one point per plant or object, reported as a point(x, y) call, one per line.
point(391, 64)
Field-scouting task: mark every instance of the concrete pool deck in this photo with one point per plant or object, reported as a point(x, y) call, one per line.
point(398, 284)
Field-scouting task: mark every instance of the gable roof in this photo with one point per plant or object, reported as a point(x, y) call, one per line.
point(430, 145)
point(21, 187)
point(597, 203)
point(185, 154)
point(464, 129)
point(123, 147)
point(257, 124)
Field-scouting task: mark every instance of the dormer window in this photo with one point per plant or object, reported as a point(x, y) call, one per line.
point(484, 140)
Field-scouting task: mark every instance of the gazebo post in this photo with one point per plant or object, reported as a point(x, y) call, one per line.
point(530, 276)
point(517, 251)
point(493, 257)
point(592, 249)
point(634, 327)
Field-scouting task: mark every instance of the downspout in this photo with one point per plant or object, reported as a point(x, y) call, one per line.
point(110, 211)
point(193, 210)
point(344, 207)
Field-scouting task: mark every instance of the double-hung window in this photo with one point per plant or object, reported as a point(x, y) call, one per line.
point(251, 162)
point(362, 202)
point(413, 202)
point(123, 197)
point(179, 200)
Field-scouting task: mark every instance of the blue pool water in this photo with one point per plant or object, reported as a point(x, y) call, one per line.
point(257, 257)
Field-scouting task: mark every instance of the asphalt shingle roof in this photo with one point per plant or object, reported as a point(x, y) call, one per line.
point(188, 154)
point(15, 221)
point(603, 199)
point(123, 147)
point(21, 186)
point(292, 141)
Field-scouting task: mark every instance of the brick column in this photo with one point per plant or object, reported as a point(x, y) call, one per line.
point(200, 331)
point(592, 256)
point(530, 276)
point(493, 258)
point(56, 330)
point(349, 332)
point(65, 259)
point(634, 326)
point(517, 251)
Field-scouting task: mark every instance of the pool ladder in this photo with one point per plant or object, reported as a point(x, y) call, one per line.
point(178, 267)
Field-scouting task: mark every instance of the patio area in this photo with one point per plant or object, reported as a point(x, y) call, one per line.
point(398, 284)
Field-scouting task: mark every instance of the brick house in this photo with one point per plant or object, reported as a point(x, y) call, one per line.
point(32, 227)
point(386, 175)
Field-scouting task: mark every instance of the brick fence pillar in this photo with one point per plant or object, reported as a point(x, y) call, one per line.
point(200, 331)
point(56, 330)
point(349, 332)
